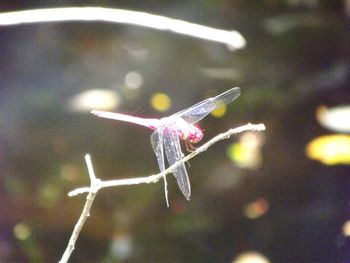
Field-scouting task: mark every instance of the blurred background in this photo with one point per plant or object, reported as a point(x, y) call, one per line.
point(277, 196)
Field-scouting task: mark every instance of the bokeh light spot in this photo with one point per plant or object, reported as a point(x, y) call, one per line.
point(336, 119)
point(69, 172)
point(160, 102)
point(49, 194)
point(236, 152)
point(99, 99)
point(250, 257)
point(346, 228)
point(22, 231)
point(219, 112)
point(330, 149)
point(121, 246)
point(247, 152)
point(133, 80)
point(257, 208)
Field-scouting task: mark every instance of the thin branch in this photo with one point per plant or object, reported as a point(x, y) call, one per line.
point(233, 39)
point(85, 213)
point(155, 178)
point(96, 184)
point(90, 168)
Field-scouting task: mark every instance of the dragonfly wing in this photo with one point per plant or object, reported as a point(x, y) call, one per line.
point(157, 144)
point(173, 153)
point(201, 109)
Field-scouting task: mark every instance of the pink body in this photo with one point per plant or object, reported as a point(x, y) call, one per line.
point(184, 130)
point(180, 125)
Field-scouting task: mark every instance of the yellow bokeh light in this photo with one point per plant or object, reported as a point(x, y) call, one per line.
point(22, 231)
point(244, 156)
point(330, 149)
point(160, 102)
point(219, 112)
point(247, 152)
point(237, 152)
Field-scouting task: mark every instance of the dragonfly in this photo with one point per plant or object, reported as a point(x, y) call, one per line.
point(168, 132)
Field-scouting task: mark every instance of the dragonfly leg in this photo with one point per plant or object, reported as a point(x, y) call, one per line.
point(189, 146)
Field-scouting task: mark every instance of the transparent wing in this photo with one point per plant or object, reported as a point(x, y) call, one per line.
point(157, 145)
point(173, 153)
point(203, 108)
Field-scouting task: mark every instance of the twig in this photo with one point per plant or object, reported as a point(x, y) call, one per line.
point(93, 189)
point(233, 39)
point(97, 184)
point(155, 178)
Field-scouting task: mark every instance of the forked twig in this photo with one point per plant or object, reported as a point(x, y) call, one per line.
point(93, 189)
point(96, 184)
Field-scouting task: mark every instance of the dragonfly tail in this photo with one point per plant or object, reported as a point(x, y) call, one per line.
point(147, 122)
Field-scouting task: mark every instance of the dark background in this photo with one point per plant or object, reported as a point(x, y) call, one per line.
point(296, 59)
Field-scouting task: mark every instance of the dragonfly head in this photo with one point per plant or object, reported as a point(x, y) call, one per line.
point(195, 135)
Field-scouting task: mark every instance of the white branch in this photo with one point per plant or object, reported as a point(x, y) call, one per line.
point(155, 178)
point(93, 189)
point(96, 184)
point(233, 39)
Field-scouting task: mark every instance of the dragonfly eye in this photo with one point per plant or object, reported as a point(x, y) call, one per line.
point(195, 136)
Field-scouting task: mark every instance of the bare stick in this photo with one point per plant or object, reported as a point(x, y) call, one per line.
point(86, 210)
point(233, 39)
point(97, 184)
point(155, 178)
